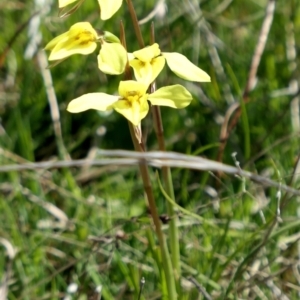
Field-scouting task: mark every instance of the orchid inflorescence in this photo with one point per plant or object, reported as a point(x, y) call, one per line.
point(133, 101)
point(147, 63)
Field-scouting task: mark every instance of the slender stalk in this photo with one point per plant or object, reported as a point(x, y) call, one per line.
point(168, 182)
point(139, 147)
point(135, 23)
point(166, 259)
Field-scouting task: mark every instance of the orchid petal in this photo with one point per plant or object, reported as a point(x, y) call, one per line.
point(134, 111)
point(142, 71)
point(129, 88)
point(147, 72)
point(81, 27)
point(133, 105)
point(158, 64)
point(98, 101)
point(66, 50)
point(109, 8)
point(54, 42)
point(148, 53)
point(175, 96)
point(112, 58)
point(184, 68)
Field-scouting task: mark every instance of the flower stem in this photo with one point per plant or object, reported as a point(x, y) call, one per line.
point(166, 259)
point(167, 179)
point(135, 23)
point(168, 182)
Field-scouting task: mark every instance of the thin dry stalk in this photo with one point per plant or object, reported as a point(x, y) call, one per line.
point(51, 95)
point(156, 159)
point(260, 46)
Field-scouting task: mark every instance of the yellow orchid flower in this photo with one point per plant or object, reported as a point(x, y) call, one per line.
point(132, 102)
point(108, 8)
point(80, 39)
point(148, 62)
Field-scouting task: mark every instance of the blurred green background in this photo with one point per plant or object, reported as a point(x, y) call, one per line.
point(90, 225)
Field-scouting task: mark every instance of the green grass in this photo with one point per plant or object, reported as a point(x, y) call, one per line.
point(91, 225)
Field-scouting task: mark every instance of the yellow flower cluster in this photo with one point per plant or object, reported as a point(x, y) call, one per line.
point(146, 63)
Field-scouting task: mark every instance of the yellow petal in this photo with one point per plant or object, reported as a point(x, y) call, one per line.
point(175, 96)
point(54, 42)
point(128, 87)
point(135, 111)
point(80, 39)
point(147, 72)
point(148, 53)
point(65, 50)
point(98, 101)
point(83, 27)
point(63, 3)
point(109, 8)
point(157, 64)
point(184, 68)
point(142, 71)
point(112, 58)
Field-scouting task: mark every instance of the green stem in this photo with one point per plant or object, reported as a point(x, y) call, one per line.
point(166, 259)
point(168, 182)
point(167, 179)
